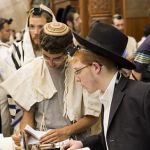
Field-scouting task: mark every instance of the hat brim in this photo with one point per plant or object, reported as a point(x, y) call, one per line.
point(122, 62)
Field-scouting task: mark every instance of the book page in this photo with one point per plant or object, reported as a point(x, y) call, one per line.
point(36, 134)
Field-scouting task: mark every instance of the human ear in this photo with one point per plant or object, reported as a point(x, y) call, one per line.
point(97, 67)
point(69, 23)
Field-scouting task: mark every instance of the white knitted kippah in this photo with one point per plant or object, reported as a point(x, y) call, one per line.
point(56, 29)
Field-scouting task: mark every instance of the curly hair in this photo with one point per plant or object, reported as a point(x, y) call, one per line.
point(55, 44)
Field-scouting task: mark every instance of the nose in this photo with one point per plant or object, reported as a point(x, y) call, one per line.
point(51, 63)
point(36, 30)
point(80, 21)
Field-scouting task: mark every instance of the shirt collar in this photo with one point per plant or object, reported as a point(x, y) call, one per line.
point(106, 97)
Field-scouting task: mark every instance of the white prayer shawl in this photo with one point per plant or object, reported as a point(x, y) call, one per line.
point(5, 72)
point(33, 83)
point(5, 69)
point(5, 53)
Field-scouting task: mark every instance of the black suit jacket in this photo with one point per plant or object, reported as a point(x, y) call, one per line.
point(129, 119)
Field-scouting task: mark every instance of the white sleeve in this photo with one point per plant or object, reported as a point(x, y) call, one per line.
point(5, 114)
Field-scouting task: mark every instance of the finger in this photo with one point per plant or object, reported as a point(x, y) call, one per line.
point(64, 147)
point(48, 136)
point(50, 140)
point(49, 133)
point(16, 139)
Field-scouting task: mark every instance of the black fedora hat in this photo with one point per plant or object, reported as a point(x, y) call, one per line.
point(106, 40)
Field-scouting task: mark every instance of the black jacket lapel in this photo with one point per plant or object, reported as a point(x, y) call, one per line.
point(117, 98)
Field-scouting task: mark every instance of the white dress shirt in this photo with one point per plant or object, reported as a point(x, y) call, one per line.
point(106, 99)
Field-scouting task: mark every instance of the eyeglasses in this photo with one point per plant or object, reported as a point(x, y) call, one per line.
point(78, 71)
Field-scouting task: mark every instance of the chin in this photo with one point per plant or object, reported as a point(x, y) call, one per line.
point(88, 89)
point(36, 42)
point(53, 67)
point(91, 90)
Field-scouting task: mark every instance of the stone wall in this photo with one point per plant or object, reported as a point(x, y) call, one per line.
point(15, 9)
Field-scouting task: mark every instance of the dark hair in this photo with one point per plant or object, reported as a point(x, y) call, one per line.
point(55, 44)
point(3, 21)
point(117, 16)
point(59, 14)
point(66, 11)
point(70, 17)
point(37, 11)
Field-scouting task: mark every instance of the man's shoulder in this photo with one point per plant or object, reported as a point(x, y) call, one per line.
point(138, 87)
point(145, 46)
point(16, 44)
point(33, 63)
point(130, 38)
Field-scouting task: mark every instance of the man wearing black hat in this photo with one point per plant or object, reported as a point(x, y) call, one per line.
point(125, 103)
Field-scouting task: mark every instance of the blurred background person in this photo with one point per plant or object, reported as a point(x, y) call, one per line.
point(5, 30)
point(5, 71)
point(119, 23)
point(74, 21)
point(4, 38)
point(142, 62)
point(146, 34)
point(71, 17)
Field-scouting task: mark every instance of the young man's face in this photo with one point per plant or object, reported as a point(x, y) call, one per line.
point(35, 25)
point(85, 75)
point(77, 22)
point(54, 60)
point(5, 33)
point(119, 24)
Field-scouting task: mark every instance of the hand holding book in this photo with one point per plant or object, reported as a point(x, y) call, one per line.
point(55, 135)
point(36, 137)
